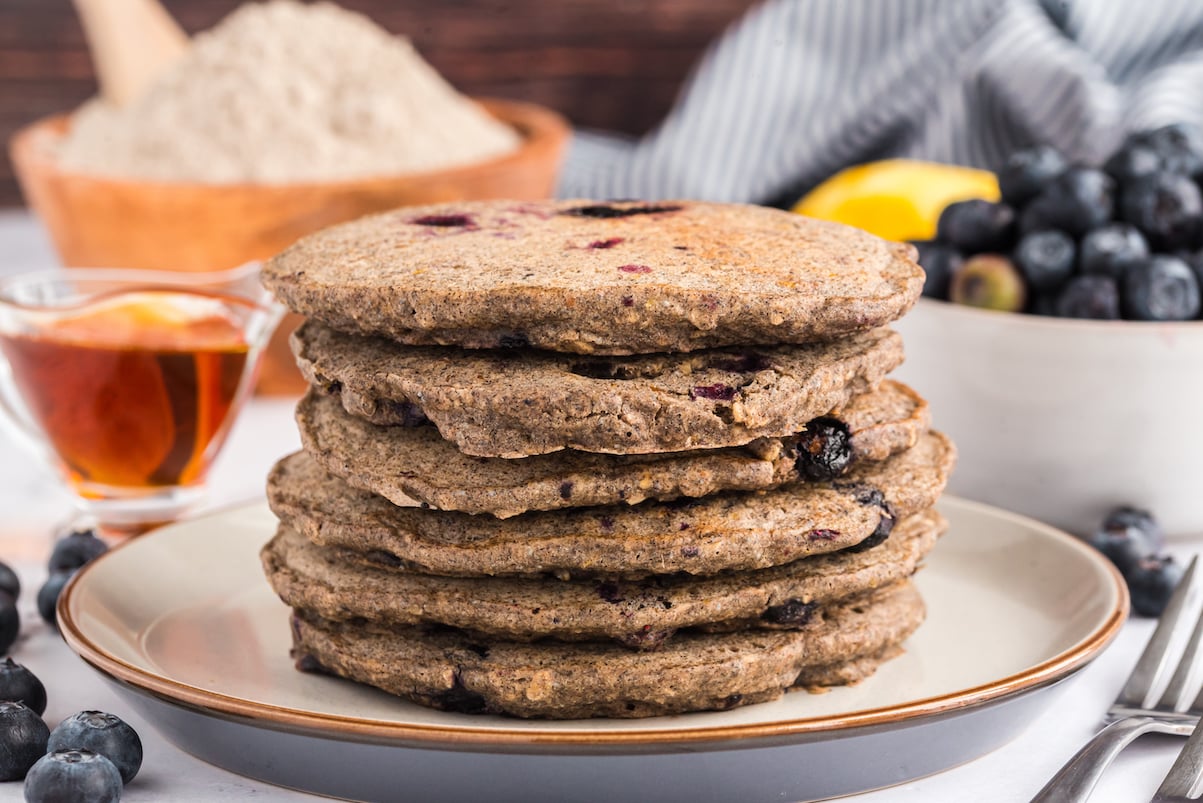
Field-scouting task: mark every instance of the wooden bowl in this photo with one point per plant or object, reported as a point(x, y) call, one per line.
point(102, 221)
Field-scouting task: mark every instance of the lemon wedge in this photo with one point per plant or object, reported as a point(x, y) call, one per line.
point(897, 199)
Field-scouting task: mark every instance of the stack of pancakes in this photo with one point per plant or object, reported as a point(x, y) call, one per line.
point(576, 459)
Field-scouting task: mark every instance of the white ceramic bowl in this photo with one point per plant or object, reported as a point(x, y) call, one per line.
point(1065, 419)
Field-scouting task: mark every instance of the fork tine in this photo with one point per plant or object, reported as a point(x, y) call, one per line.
point(1186, 676)
point(1179, 784)
point(1155, 657)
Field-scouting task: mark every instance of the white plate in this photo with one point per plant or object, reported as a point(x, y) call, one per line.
point(184, 624)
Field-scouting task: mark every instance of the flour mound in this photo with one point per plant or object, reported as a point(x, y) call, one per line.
point(283, 92)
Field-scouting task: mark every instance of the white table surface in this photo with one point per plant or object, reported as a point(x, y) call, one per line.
point(31, 506)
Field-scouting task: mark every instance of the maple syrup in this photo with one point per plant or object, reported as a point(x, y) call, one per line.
point(134, 390)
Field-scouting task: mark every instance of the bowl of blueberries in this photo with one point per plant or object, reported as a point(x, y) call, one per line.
point(1060, 339)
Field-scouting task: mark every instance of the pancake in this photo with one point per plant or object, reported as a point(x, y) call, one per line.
point(339, 585)
point(524, 402)
point(601, 278)
point(408, 464)
point(471, 674)
point(703, 536)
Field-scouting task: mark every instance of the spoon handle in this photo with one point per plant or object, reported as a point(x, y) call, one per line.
point(131, 42)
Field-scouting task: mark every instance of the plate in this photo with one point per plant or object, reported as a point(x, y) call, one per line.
point(184, 624)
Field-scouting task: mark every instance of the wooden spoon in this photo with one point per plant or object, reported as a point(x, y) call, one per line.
point(132, 42)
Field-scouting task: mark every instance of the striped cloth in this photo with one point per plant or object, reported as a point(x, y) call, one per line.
point(798, 89)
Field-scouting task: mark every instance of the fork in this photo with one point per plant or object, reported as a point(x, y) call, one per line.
point(1131, 715)
point(1179, 783)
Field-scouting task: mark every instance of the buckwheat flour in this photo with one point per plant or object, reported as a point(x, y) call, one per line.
point(283, 92)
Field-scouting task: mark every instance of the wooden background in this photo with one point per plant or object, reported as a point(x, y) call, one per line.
point(613, 64)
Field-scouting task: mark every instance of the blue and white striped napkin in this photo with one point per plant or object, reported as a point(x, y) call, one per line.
point(798, 89)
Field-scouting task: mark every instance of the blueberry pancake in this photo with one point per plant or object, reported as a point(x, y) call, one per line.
point(338, 585)
point(596, 278)
point(407, 464)
point(525, 402)
point(454, 671)
point(698, 536)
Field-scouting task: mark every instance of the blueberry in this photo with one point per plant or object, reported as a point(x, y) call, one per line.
point(1078, 200)
point(48, 595)
point(1162, 288)
point(1094, 297)
point(989, 281)
point(1027, 172)
point(605, 211)
point(1112, 249)
point(9, 581)
point(885, 525)
point(976, 226)
point(101, 733)
point(19, 685)
point(1179, 146)
point(939, 261)
point(1043, 304)
point(1151, 581)
point(10, 621)
point(443, 221)
point(824, 449)
point(1167, 207)
point(1038, 215)
point(1194, 260)
point(73, 776)
point(1132, 162)
point(1124, 546)
point(1045, 258)
point(23, 737)
point(1127, 516)
point(74, 550)
point(793, 611)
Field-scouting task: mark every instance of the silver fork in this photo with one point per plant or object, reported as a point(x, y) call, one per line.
point(1131, 715)
point(1179, 784)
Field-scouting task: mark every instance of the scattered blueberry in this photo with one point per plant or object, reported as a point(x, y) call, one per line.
point(977, 226)
point(1027, 172)
point(73, 776)
point(1045, 258)
point(10, 621)
point(48, 595)
point(1163, 288)
point(1127, 516)
point(939, 261)
point(1151, 582)
point(1078, 200)
point(23, 737)
point(9, 581)
point(1167, 207)
point(19, 685)
point(1112, 249)
point(1095, 297)
point(101, 733)
point(74, 550)
point(1124, 546)
point(989, 281)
